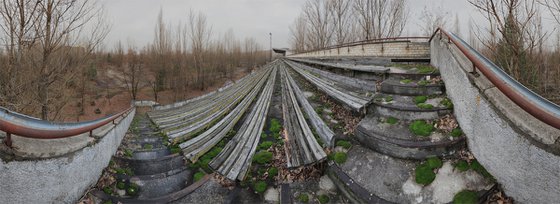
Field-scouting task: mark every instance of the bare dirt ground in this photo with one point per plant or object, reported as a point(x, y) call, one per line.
point(110, 95)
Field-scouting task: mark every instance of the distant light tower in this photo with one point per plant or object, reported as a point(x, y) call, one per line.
point(270, 46)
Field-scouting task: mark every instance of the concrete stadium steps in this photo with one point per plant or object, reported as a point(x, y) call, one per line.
point(157, 172)
point(356, 101)
point(234, 160)
point(349, 82)
point(398, 141)
point(199, 145)
point(404, 107)
point(302, 147)
point(401, 86)
point(372, 177)
point(345, 66)
point(184, 130)
point(323, 131)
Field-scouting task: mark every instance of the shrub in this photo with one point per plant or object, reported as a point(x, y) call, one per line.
point(343, 143)
point(434, 162)
point(273, 171)
point(465, 197)
point(198, 175)
point(424, 174)
point(421, 128)
point(323, 199)
point(425, 106)
point(303, 197)
point(260, 186)
point(462, 165)
point(262, 157)
point(420, 99)
point(456, 132)
point(392, 120)
point(340, 157)
point(265, 145)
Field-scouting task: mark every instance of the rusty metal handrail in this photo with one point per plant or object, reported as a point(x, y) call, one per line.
point(26, 126)
point(531, 102)
point(363, 42)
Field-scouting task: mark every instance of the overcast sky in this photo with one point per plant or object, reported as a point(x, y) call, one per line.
point(135, 19)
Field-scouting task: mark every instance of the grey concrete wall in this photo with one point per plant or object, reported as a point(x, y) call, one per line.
point(62, 179)
point(386, 49)
point(512, 145)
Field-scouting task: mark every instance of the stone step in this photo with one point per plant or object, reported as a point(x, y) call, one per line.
point(152, 166)
point(405, 107)
point(409, 87)
point(381, 178)
point(156, 185)
point(398, 141)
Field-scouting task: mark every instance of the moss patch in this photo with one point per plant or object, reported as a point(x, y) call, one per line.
point(421, 128)
point(406, 81)
point(424, 174)
point(456, 132)
point(265, 145)
point(465, 197)
point(324, 199)
point(462, 165)
point(260, 187)
point(273, 171)
point(340, 157)
point(426, 69)
point(198, 175)
point(303, 197)
point(343, 143)
point(447, 103)
point(426, 106)
point(420, 99)
point(481, 170)
point(388, 99)
point(263, 157)
point(392, 120)
point(434, 162)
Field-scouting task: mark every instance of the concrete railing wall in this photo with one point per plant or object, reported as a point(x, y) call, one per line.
point(396, 49)
point(520, 151)
point(63, 178)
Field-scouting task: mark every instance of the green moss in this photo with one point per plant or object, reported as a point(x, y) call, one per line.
point(456, 132)
point(260, 187)
point(425, 106)
point(447, 103)
point(303, 197)
point(392, 120)
point(340, 157)
point(273, 171)
point(121, 185)
point(406, 81)
point(262, 157)
point(420, 99)
point(434, 162)
point(264, 135)
point(265, 145)
point(148, 146)
point(175, 150)
point(132, 189)
point(108, 202)
point(231, 133)
point(423, 83)
point(108, 190)
point(323, 199)
point(425, 69)
point(465, 197)
point(481, 170)
point(198, 175)
point(388, 99)
point(424, 174)
point(462, 165)
point(319, 110)
point(275, 126)
point(343, 143)
point(421, 128)
point(125, 171)
point(128, 152)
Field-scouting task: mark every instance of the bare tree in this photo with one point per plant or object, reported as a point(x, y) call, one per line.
point(298, 34)
point(132, 72)
point(200, 33)
point(433, 17)
point(319, 30)
point(341, 20)
point(381, 18)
